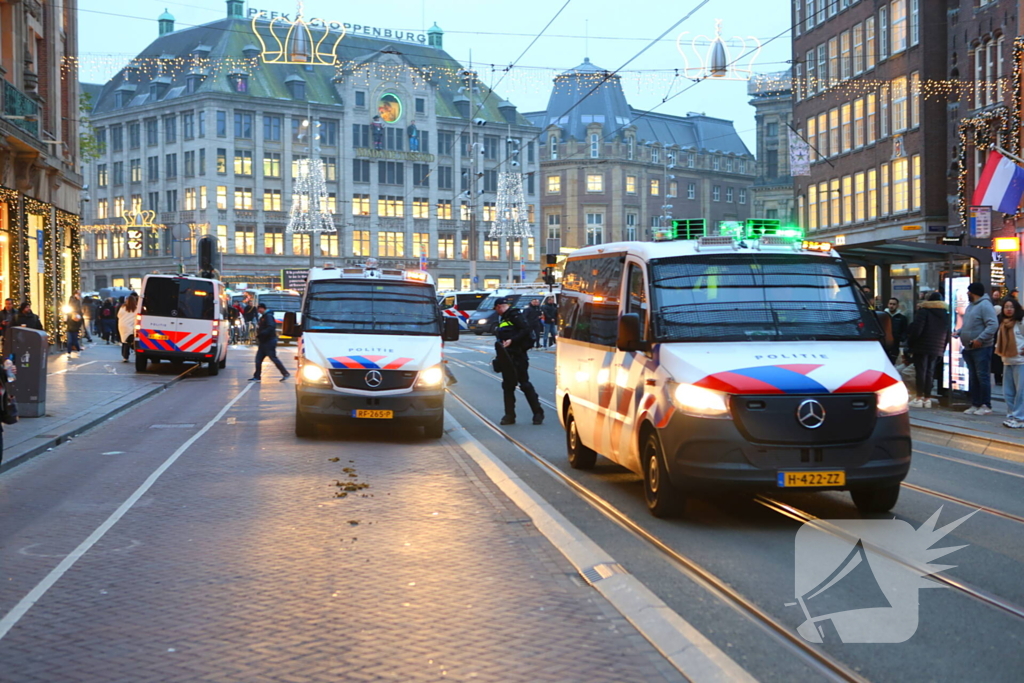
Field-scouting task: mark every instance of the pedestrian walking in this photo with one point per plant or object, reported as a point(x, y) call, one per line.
point(514, 339)
point(26, 318)
point(249, 313)
point(1010, 347)
point(78, 308)
point(126, 324)
point(977, 334)
point(550, 311)
point(266, 337)
point(534, 319)
point(8, 316)
point(73, 323)
point(927, 338)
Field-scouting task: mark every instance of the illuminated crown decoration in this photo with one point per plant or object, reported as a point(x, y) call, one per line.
point(302, 42)
point(718, 60)
point(139, 219)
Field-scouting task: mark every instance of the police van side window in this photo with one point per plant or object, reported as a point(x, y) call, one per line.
point(636, 301)
point(596, 321)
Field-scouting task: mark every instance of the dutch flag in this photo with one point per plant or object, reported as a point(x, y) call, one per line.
point(1001, 185)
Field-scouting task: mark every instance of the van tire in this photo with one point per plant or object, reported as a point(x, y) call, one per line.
point(662, 498)
point(141, 362)
point(876, 500)
point(580, 457)
point(224, 363)
point(304, 427)
point(477, 332)
point(214, 368)
point(435, 428)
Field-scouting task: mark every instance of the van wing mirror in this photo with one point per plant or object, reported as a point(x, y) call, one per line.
point(289, 327)
point(629, 338)
point(450, 329)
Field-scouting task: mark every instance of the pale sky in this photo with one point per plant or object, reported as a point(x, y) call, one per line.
point(113, 31)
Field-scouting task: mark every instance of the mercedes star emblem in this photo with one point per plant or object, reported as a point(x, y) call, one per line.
point(373, 379)
point(810, 414)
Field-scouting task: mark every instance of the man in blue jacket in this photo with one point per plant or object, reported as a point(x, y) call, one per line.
point(977, 335)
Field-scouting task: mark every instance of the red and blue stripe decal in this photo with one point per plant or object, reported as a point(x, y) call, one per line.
point(367, 363)
point(765, 379)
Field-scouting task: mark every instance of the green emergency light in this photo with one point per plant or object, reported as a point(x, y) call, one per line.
point(689, 228)
point(769, 227)
point(735, 229)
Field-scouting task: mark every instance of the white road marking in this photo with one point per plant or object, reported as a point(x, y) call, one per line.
point(34, 595)
point(72, 367)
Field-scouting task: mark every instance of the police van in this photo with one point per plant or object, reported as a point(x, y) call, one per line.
point(484, 319)
point(370, 348)
point(745, 360)
point(460, 305)
point(279, 302)
point(182, 318)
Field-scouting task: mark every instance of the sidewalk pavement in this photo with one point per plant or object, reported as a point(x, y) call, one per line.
point(980, 433)
point(81, 391)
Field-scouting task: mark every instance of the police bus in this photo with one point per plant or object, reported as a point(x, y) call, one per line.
point(370, 348)
point(743, 360)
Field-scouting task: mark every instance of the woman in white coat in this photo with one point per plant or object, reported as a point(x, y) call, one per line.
point(126, 324)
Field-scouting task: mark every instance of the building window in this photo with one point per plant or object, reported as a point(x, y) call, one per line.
point(245, 239)
point(391, 173)
point(189, 162)
point(117, 174)
point(835, 197)
point(554, 226)
point(883, 32)
point(153, 201)
point(328, 242)
point(899, 26)
point(655, 155)
point(554, 184)
point(630, 147)
point(329, 132)
point(716, 193)
point(421, 175)
point(595, 182)
point(101, 209)
point(390, 244)
point(858, 197)
point(845, 56)
point(823, 205)
point(691, 191)
point(811, 14)
point(655, 187)
point(190, 199)
point(490, 212)
point(360, 205)
point(900, 186)
point(823, 134)
point(915, 99)
point(833, 61)
point(858, 49)
point(271, 128)
point(870, 55)
point(361, 243)
point(833, 132)
point(243, 125)
point(171, 166)
point(420, 207)
point(273, 240)
point(883, 200)
point(673, 189)
point(872, 195)
point(271, 200)
point(595, 145)
point(330, 168)
point(595, 228)
point(420, 244)
point(716, 163)
point(631, 223)
point(915, 22)
point(631, 184)
point(135, 170)
point(490, 181)
point(102, 179)
point(390, 206)
point(421, 105)
point(743, 196)
point(916, 181)
point(446, 247)
point(553, 147)
point(444, 209)
point(847, 127)
point(243, 198)
point(728, 195)
point(222, 161)
point(872, 125)
point(222, 198)
point(360, 135)
point(135, 134)
point(360, 98)
point(858, 123)
point(899, 104)
point(243, 162)
point(272, 164)
point(847, 199)
point(361, 170)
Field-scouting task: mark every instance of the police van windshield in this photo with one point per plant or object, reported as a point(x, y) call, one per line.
point(757, 297)
point(281, 302)
point(488, 303)
point(371, 307)
point(178, 298)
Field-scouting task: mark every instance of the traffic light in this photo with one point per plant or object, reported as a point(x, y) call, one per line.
point(209, 257)
point(549, 276)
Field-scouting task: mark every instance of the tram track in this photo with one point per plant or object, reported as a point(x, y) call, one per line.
point(815, 657)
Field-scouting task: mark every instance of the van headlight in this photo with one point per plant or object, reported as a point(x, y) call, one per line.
point(430, 378)
point(311, 373)
point(893, 400)
point(701, 402)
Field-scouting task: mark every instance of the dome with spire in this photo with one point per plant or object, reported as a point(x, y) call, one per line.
point(606, 105)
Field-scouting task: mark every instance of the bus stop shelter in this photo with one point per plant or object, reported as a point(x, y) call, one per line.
point(882, 255)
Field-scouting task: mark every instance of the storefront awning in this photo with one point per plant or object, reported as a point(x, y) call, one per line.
point(895, 251)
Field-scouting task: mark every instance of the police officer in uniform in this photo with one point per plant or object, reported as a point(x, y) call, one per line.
point(266, 336)
point(514, 339)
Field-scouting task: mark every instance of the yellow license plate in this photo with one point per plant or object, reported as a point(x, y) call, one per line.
point(157, 335)
point(374, 414)
point(802, 479)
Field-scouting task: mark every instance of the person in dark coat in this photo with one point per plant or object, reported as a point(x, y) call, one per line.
point(266, 337)
point(108, 320)
point(550, 311)
point(26, 318)
point(78, 308)
point(73, 323)
point(927, 338)
point(514, 339)
point(533, 316)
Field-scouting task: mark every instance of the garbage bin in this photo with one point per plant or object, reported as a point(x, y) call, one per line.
point(30, 349)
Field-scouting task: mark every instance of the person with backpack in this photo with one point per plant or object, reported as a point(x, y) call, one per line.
point(108, 315)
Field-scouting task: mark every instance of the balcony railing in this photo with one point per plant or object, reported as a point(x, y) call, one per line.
point(18, 104)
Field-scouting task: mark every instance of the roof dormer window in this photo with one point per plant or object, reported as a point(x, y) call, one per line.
point(554, 147)
point(239, 82)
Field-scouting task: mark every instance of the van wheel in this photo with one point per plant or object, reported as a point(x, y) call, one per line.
point(875, 500)
point(580, 457)
point(663, 499)
point(435, 428)
point(141, 362)
point(304, 427)
point(224, 363)
point(214, 367)
point(477, 332)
